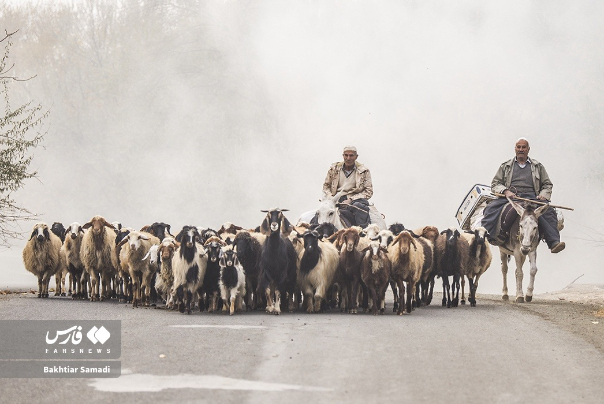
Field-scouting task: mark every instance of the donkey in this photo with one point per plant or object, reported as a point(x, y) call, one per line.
point(527, 230)
point(327, 212)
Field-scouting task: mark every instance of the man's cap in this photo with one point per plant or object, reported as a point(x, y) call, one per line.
point(350, 148)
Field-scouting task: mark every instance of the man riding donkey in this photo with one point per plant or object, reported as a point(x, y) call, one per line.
point(353, 181)
point(525, 178)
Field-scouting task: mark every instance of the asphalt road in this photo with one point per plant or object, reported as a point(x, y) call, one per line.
point(496, 352)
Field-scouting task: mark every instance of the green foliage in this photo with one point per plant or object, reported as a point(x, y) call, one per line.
point(16, 142)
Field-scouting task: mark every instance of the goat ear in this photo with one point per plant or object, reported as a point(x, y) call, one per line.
point(144, 237)
point(413, 234)
point(168, 230)
point(87, 225)
point(46, 234)
point(222, 260)
point(264, 226)
point(33, 233)
point(179, 236)
point(286, 226)
point(385, 250)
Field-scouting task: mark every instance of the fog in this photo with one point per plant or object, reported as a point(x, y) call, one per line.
point(242, 106)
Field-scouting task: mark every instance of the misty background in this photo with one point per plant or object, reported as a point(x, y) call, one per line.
point(202, 112)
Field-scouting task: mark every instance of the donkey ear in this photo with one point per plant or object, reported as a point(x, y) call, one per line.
point(517, 207)
point(541, 210)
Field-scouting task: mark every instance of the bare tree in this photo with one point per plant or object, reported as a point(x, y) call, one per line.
point(16, 142)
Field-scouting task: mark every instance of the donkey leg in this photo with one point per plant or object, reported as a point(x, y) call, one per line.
point(504, 272)
point(533, 261)
point(520, 258)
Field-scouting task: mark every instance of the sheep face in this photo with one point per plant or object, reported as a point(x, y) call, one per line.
point(481, 234)
point(159, 230)
point(372, 230)
point(405, 241)
point(40, 232)
point(135, 240)
point(98, 224)
point(74, 230)
point(213, 248)
point(452, 235)
point(188, 236)
point(385, 237)
point(311, 240)
point(228, 258)
point(374, 249)
point(153, 255)
point(166, 251)
point(350, 239)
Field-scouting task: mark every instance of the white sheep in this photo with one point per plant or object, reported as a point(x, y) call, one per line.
point(42, 256)
point(231, 281)
point(134, 249)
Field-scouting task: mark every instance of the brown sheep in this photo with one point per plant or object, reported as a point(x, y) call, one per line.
point(96, 255)
point(407, 257)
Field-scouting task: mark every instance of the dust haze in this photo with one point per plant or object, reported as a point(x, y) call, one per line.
point(242, 106)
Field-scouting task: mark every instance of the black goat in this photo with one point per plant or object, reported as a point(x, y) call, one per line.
point(210, 286)
point(249, 250)
point(451, 258)
point(277, 262)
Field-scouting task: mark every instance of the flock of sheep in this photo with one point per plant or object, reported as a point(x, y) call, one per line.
point(277, 266)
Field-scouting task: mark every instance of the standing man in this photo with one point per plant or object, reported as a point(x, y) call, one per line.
point(526, 178)
point(354, 180)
